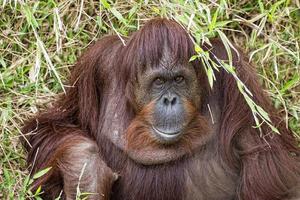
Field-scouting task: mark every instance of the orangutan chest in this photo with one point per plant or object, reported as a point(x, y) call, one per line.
point(182, 180)
point(209, 181)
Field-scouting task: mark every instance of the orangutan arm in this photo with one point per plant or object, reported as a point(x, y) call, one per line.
point(76, 169)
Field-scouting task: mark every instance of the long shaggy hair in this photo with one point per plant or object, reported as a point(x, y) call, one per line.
point(267, 164)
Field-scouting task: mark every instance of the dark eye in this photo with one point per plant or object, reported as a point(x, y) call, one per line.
point(158, 81)
point(179, 79)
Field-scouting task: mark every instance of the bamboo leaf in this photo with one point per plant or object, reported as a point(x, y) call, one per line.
point(41, 173)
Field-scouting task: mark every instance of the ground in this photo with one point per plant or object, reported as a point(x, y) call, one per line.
point(41, 40)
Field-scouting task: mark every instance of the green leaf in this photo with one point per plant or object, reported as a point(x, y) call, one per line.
point(264, 114)
point(118, 15)
point(194, 57)
point(38, 191)
point(156, 10)
point(29, 16)
point(222, 24)
point(105, 4)
point(212, 25)
point(273, 9)
point(274, 129)
point(41, 173)
point(210, 76)
point(26, 181)
point(2, 63)
point(261, 6)
point(133, 10)
point(229, 68)
point(198, 49)
point(291, 83)
point(227, 45)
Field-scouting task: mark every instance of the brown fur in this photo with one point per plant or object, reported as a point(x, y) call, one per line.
point(232, 162)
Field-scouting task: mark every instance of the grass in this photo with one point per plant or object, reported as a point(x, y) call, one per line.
point(41, 40)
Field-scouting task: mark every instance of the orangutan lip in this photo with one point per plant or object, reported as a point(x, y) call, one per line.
point(166, 135)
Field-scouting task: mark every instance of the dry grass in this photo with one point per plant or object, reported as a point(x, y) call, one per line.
point(40, 41)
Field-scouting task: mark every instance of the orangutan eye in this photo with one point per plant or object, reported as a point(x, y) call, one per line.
point(179, 79)
point(158, 81)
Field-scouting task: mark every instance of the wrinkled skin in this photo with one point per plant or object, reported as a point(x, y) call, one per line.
point(169, 86)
